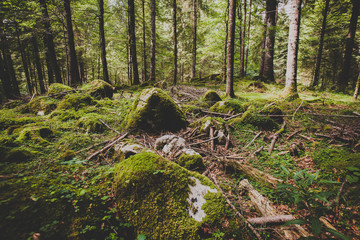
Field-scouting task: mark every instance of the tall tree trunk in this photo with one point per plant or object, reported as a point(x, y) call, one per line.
point(263, 41)
point(144, 43)
point(25, 65)
point(9, 68)
point(175, 42)
point(349, 45)
point(74, 67)
point(102, 42)
point(315, 81)
point(153, 41)
point(195, 16)
point(135, 71)
point(230, 49)
point(38, 65)
point(49, 42)
point(248, 38)
point(356, 93)
point(242, 50)
point(5, 79)
point(49, 69)
point(268, 74)
point(293, 46)
point(226, 40)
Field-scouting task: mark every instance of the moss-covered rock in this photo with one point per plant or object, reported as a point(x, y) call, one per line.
point(64, 115)
point(232, 105)
point(67, 155)
point(36, 134)
point(154, 110)
point(191, 160)
point(211, 97)
point(206, 122)
point(98, 89)
point(91, 123)
point(13, 104)
point(76, 101)
point(58, 88)
point(273, 110)
point(42, 105)
point(153, 194)
point(251, 117)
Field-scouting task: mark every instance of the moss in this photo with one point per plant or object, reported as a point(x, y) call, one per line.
point(211, 97)
point(64, 115)
point(91, 123)
point(153, 111)
point(152, 194)
point(68, 155)
point(42, 103)
point(191, 162)
point(251, 117)
point(232, 105)
point(13, 104)
point(76, 101)
point(206, 122)
point(10, 130)
point(98, 89)
point(6, 122)
point(273, 110)
point(56, 88)
point(189, 108)
point(17, 155)
point(35, 133)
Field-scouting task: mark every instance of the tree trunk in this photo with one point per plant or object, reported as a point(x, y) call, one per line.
point(242, 50)
point(49, 69)
point(195, 13)
point(175, 42)
point(135, 71)
point(102, 42)
point(356, 93)
point(226, 40)
point(5, 79)
point(230, 51)
point(293, 46)
point(74, 67)
point(49, 42)
point(144, 42)
point(349, 45)
point(268, 74)
point(248, 39)
point(38, 65)
point(321, 45)
point(263, 41)
point(9, 68)
point(153, 41)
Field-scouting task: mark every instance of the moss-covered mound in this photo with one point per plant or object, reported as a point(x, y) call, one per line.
point(57, 88)
point(76, 101)
point(206, 122)
point(211, 97)
point(153, 195)
point(228, 106)
point(274, 111)
point(251, 117)
point(36, 134)
point(91, 123)
point(193, 162)
point(99, 89)
point(13, 104)
point(153, 111)
point(42, 105)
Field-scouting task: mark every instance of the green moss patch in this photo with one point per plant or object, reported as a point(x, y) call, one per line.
point(75, 101)
point(36, 134)
point(154, 110)
point(211, 97)
point(251, 117)
point(98, 89)
point(91, 123)
point(58, 88)
point(191, 162)
point(228, 106)
point(42, 104)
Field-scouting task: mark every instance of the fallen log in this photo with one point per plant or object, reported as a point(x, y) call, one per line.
point(271, 219)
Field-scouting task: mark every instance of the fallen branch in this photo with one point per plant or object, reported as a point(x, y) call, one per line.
point(293, 134)
point(307, 138)
point(216, 113)
point(271, 219)
point(276, 136)
point(297, 109)
point(258, 150)
point(211, 135)
point(107, 146)
point(109, 127)
point(233, 116)
point(92, 146)
point(256, 136)
point(205, 141)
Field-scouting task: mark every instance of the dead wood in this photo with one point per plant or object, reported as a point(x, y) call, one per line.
point(271, 219)
point(307, 138)
point(95, 145)
point(258, 150)
point(107, 146)
point(106, 125)
point(297, 109)
point(293, 134)
point(256, 136)
point(211, 135)
point(216, 113)
point(205, 141)
point(276, 136)
point(326, 223)
point(233, 116)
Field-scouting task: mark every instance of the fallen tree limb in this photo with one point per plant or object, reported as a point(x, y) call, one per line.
point(106, 125)
point(107, 146)
point(293, 134)
point(216, 113)
point(271, 219)
point(276, 136)
point(256, 136)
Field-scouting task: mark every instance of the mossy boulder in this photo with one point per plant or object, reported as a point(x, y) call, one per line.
point(206, 123)
point(161, 199)
point(42, 105)
point(154, 110)
point(98, 89)
point(251, 117)
point(17, 155)
point(36, 134)
point(91, 123)
point(58, 89)
point(228, 106)
point(76, 101)
point(211, 97)
point(13, 104)
point(191, 160)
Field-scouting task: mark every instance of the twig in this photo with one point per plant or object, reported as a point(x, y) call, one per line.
point(109, 127)
point(307, 138)
point(208, 169)
point(234, 208)
point(216, 113)
point(233, 116)
point(356, 113)
point(297, 109)
point(107, 146)
point(256, 136)
point(211, 135)
point(32, 96)
point(271, 219)
point(258, 150)
point(275, 137)
point(208, 140)
point(338, 199)
point(293, 134)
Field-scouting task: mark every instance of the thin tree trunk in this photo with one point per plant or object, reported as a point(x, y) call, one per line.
point(144, 42)
point(356, 93)
point(131, 9)
point(248, 39)
point(230, 49)
point(49, 69)
point(242, 50)
point(195, 13)
point(263, 41)
point(38, 65)
point(102, 42)
point(226, 40)
point(175, 42)
point(349, 45)
point(153, 41)
point(321, 45)
point(5, 79)
point(49, 42)
point(268, 74)
point(9, 68)
point(74, 68)
point(293, 46)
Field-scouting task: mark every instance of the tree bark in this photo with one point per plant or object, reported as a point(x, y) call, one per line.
point(248, 38)
point(268, 73)
point(242, 50)
point(175, 42)
point(230, 51)
point(356, 93)
point(263, 41)
point(49, 69)
point(102, 42)
point(153, 41)
point(5, 79)
point(195, 13)
point(315, 81)
point(74, 67)
point(293, 47)
point(144, 43)
point(38, 65)
point(135, 71)
point(226, 40)
point(349, 45)
point(13, 86)
point(49, 42)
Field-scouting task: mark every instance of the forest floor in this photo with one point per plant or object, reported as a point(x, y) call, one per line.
point(305, 162)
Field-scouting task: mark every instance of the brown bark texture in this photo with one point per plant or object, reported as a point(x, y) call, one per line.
point(153, 41)
point(195, 12)
point(175, 42)
point(135, 71)
point(103, 42)
point(230, 51)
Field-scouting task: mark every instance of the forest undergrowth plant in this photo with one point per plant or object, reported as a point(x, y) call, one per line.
point(306, 191)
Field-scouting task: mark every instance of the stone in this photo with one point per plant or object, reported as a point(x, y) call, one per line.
point(58, 89)
point(169, 143)
point(228, 106)
point(211, 97)
point(98, 89)
point(42, 104)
